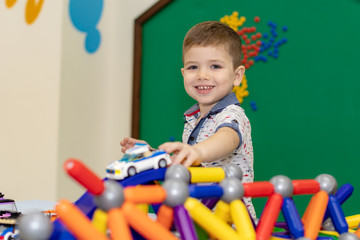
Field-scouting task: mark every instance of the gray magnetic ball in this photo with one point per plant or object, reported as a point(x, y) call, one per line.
point(232, 188)
point(328, 225)
point(112, 197)
point(35, 226)
point(256, 221)
point(282, 185)
point(233, 170)
point(178, 171)
point(176, 192)
point(327, 183)
point(348, 236)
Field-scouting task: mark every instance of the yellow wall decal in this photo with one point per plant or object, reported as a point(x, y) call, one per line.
point(32, 9)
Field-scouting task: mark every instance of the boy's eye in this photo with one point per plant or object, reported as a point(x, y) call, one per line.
point(215, 66)
point(192, 67)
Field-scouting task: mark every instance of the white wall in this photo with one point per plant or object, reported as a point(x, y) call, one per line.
point(96, 92)
point(57, 101)
point(30, 57)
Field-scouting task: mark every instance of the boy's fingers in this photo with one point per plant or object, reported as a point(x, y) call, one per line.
point(124, 141)
point(182, 155)
point(191, 158)
point(188, 162)
point(170, 147)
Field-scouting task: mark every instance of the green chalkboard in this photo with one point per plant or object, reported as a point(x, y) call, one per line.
point(307, 117)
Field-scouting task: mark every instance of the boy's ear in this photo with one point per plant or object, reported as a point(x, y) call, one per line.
point(239, 73)
point(182, 71)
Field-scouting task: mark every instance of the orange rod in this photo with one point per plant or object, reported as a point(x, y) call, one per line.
point(165, 216)
point(76, 222)
point(357, 232)
point(315, 216)
point(145, 194)
point(118, 226)
point(309, 208)
point(145, 226)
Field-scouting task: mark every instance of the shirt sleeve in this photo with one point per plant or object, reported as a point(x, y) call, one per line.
point(233, 117)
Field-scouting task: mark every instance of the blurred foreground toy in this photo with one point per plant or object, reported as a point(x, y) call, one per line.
point(137, 159)
point(35, 226)
point(111, 209)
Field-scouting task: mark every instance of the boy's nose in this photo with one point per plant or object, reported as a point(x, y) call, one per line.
point(203, 75)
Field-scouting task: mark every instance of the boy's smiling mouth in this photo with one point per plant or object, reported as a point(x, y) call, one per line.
point(204, 87)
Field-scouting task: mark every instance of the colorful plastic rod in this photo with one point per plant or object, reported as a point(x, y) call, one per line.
point(353, 221)
point(222, 211)
point(292, 218)
point(84, 176)
point(314, 216)
point(165, 216)
point(76, 222)
point(276, 238)
point(118, 226)
point(145, 194)
point(242, 221)
point(145, 226)
point(143, 207)
point(306, 186)
point(308, 208)
point(184, 223)
point(210, 202)
point(357, 232)
point(208, 221)
point(258, 189)
point(201, 174)
point(99, 220)
point(268, 217)
point(337, 215)
point(208, 191)
point(342, 194)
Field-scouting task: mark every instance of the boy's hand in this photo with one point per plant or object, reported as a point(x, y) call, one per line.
point(182, 153)
point(128, 143)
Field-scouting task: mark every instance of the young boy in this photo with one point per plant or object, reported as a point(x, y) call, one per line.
point(217, 131)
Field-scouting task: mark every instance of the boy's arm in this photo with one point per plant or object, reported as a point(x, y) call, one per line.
point(219, 145)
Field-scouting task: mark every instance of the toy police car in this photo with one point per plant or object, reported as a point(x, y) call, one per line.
point(137, 159)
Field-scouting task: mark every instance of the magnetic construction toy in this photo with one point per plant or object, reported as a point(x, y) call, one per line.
point(185, 209)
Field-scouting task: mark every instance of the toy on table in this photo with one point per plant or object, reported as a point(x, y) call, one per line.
point(137, 159)
point(9, 216)
point(32, 226)
point(8, 212)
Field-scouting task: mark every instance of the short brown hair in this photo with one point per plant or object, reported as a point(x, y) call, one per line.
point(213, 33)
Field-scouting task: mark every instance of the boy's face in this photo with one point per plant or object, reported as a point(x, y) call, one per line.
point(209, 75)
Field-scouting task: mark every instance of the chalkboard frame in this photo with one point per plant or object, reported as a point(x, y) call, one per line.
point(138, 31)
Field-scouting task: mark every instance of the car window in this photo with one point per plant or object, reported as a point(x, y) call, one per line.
point(135, 157)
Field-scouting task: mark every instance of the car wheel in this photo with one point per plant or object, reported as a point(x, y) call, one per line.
point(162, 163)
point(131, 171)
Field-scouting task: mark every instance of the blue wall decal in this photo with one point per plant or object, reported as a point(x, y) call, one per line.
point(85, 15)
